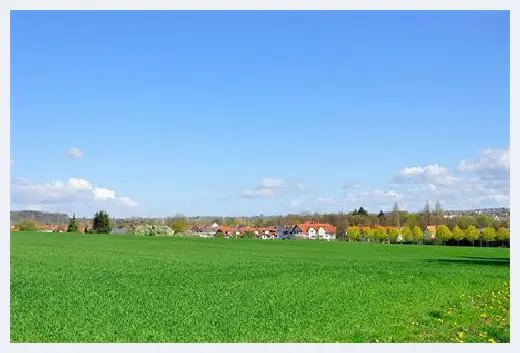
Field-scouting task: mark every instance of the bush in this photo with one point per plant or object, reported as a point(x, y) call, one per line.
point(153, 230)
point(27, 225)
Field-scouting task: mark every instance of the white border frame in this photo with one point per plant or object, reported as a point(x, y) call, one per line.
point(242, 5)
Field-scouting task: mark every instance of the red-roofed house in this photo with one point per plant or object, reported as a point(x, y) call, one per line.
point(311, 230)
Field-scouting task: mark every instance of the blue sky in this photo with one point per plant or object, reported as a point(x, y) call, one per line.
point(241, 113)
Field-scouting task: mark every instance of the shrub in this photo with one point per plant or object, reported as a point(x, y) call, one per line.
point(27, 225)
point(153, 230)
point(407, 234)
point(353, 233)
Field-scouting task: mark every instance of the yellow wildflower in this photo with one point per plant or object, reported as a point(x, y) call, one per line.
point(492, 340)
point(460, 334)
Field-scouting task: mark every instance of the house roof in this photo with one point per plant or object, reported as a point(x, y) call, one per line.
point(304, 227)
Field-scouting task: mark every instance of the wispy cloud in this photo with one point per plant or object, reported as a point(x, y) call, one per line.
point(74, 152)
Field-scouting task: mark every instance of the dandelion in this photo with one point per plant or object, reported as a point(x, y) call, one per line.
point(460, 334)
point(483, 315)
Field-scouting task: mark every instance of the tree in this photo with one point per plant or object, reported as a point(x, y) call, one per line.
point(472, 234)
point(249, 234)
point(439, 214)
point(489, 234)
point(417, 234)
point(426, 214)
point(178, 224)
point(362, 211)
point(443, 233)
point(380, 234)
point(353, 233)
point(341, 229)
point(464, 222)
point(73, 226)
point(27, 225)
point(411, 220)
point(101, 223)
point(484, 221)
point(381, 218)
point(503, 234)
point(458, 234)
point(407, 234)
point(396, 222)
point(393, 234)
point(368, 234)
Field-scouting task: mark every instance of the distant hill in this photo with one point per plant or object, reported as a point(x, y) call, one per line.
point(39, 217)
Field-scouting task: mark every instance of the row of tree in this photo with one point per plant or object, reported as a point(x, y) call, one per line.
point(442, 234)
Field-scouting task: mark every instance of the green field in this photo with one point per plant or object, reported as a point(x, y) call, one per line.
point(78, 288)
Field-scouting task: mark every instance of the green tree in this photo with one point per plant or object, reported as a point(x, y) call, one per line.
point(380, 234)
point(443, 233)
point(73, 226)
point(362, 211)
point(393, 234)
point(464, 222)
point(458, 234)
point(101, 223)
point(489, 234)
point(368, 234)
point(472, 234)
point(249, 234)
point(503, 234)
point(381, 218)
point(407, 234)
point(417, 233)
point(178, 224)
point(27, 225)
point(411, 220)
point(484, 221)
point(353, 233)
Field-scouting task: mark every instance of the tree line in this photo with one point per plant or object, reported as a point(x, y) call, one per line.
point(442, 235)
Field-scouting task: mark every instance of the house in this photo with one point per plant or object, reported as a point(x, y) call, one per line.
point(429, 232)
point(226, 231)
point(311, 230)
point(285, 232)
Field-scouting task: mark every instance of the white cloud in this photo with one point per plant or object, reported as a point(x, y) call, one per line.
point(493, 164)
point(128, 201)
point(272, 183)
point(68, 196)
point(270, 187)
point(296, 202)
point(352, 185)
point(258, 192)
point(432, 174)
point(74, 152)
point(475, 184)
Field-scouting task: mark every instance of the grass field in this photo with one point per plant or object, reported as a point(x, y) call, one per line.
point(78, 288)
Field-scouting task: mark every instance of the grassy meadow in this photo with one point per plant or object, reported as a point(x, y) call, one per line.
point(108, 288)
